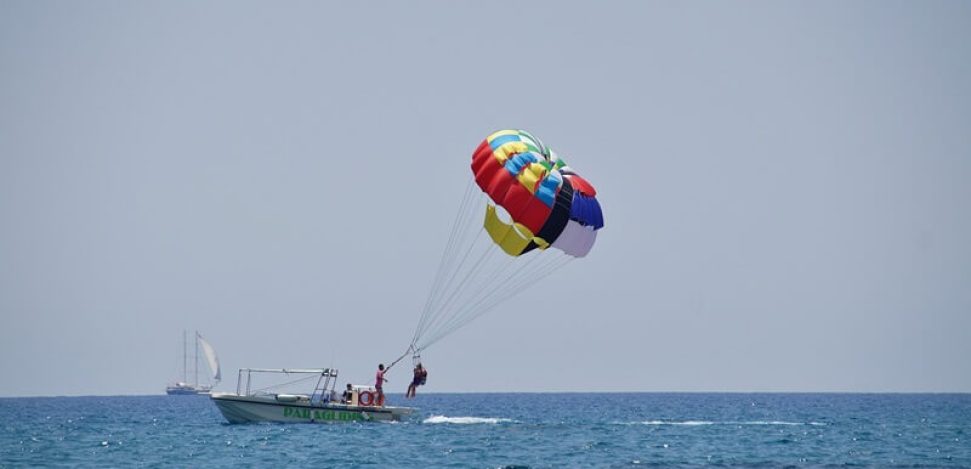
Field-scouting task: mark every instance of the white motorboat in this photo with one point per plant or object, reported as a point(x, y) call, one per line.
point(186, 388)
point(359, 403)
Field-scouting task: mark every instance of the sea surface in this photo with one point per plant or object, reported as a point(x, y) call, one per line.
point(504, 430)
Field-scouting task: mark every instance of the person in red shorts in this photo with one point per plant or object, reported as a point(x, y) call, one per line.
point(379, 381)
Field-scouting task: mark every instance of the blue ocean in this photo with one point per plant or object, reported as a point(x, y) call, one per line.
point(505, 430)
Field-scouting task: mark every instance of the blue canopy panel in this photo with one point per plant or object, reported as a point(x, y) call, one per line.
point(586, 211)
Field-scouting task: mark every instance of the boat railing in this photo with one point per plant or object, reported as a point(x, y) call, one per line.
point(327, 377)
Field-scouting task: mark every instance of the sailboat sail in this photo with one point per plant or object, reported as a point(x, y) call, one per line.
point(211, 358)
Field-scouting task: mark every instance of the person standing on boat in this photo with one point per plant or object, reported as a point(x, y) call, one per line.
point(379, 381)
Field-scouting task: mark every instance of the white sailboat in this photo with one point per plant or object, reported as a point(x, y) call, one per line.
point(185, 387)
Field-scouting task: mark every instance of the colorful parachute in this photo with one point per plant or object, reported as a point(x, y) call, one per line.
point(550, 205)
point(533, 201)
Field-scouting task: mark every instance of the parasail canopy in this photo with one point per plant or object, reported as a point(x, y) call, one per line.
point(532, 201)
point(544, 197)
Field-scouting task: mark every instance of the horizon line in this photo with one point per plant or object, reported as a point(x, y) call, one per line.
point(548, 392)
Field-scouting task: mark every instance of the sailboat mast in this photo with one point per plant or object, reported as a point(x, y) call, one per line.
point(185, 373)
point(197, 358)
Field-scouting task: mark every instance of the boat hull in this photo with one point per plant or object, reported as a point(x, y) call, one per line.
point(251, 409)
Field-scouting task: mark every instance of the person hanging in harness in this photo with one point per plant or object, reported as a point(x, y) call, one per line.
point(420, 376)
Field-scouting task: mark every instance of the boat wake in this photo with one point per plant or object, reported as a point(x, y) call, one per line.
point(466, 420)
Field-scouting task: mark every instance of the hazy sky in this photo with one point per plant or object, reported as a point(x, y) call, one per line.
point(786, 188)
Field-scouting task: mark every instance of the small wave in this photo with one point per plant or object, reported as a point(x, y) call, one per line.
point(708, 422)
point(465, 420)
point(778, 422)
point(669, 422)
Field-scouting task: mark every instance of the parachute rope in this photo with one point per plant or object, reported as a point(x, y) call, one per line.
point(490, 289)
point(471, 273)
point(463, 318)
point(437, 308)
point(475, 277)
point(444, 262)
point(461, 264)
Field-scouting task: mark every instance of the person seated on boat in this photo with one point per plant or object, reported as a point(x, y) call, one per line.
point(379, 381)
point(348, 395)
point(419, 378)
